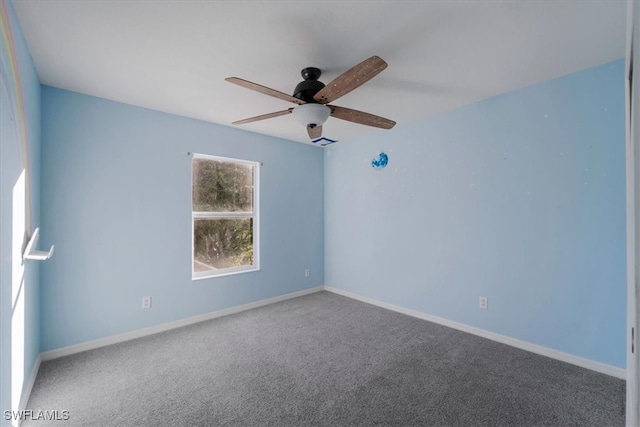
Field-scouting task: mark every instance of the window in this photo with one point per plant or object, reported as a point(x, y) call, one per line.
point(224, 216)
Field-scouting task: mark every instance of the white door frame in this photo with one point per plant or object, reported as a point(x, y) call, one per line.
point(632, 101)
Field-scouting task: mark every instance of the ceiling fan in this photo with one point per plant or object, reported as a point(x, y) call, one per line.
point(313, 97)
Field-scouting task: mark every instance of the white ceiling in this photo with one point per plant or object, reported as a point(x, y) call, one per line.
point(173, 56)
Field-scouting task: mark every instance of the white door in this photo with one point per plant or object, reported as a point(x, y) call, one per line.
point(13, 223)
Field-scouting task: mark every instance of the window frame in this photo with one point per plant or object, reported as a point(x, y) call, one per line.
point(254, 215)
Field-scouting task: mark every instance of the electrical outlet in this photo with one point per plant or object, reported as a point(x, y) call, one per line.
point(483, 302)
point(146, 302)
point(306, 272)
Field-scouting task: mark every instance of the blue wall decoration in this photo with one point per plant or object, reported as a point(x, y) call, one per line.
point(381, 161)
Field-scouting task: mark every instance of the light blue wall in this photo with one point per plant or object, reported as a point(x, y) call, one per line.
point(519, 198)
point(116, 200)
point(20, 110)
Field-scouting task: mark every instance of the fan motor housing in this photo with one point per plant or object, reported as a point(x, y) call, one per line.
point(306, 89)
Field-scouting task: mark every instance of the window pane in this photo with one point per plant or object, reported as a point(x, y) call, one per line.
point(222, 186)
point(222, 243)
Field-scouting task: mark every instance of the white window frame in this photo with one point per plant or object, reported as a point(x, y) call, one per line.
point(255, 215)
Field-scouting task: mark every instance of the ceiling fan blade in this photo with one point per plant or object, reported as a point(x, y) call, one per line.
point(264, 116)
point(350, 79)
point(314, 132)
point(360, 117)
point(263, 89)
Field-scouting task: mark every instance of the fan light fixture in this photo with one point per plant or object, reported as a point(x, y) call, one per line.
point(311, 114)
point(312, 98)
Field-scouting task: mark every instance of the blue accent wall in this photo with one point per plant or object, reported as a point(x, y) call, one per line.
point(19, 150)
point(116, 192)
point(519, 198)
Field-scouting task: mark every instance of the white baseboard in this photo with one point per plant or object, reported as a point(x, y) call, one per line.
point(603, 368)
point(114, 339)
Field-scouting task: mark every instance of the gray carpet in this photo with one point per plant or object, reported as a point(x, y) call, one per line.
point(322, 360)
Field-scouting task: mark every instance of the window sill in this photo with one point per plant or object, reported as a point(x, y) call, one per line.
point(224, 273)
